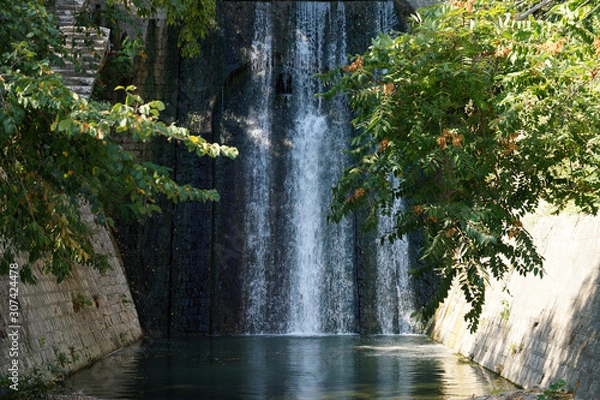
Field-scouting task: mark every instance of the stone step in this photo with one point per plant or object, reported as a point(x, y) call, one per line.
point(80, 32)
point(79, 80)
point(70, 4)
point(85, 39)
point(88, 44)
point(71, 73)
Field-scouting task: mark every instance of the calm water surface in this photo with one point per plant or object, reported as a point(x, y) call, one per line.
point(288, 367)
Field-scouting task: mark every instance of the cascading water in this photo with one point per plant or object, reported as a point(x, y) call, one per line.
point(395, 298)
point(321, 290)
point(298, 274)
point(258, 184)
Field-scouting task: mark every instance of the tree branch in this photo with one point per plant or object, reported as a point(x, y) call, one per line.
point(533, 9)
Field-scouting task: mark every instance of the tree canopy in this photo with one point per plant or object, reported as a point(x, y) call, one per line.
point(60, 152)
point(474, 116)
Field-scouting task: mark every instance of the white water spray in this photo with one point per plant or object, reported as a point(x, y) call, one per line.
point(258, 184)
point(316, 285)
point(321, 284)
point(395, 299)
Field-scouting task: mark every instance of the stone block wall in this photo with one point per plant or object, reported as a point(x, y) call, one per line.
point(537, 331)
point(54, 329)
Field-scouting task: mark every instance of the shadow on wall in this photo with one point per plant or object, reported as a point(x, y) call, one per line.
point(537, 331)
point(581, 365)
point(66, 326)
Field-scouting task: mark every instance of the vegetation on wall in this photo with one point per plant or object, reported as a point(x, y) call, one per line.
point(475, 115)
point(127, 47)
point(59, 152)
point(194, 18)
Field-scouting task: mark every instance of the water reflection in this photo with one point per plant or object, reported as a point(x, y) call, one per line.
point(287, 367)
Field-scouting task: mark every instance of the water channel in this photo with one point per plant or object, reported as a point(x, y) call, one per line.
point(297, 298)
point(288, 367)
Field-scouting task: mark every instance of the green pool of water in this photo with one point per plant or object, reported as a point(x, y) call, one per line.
point(287, 367)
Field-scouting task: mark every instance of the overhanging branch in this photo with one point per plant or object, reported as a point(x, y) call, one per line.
point(534, 9)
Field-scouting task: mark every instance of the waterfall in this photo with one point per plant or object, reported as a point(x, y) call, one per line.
point(395, 299)
point(298, 272)
point(258, 256)
point(321, 289)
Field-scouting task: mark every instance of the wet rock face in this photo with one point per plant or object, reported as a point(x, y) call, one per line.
point(169, 257)
point(233, 114)
point(207, 269)
point(184, 265)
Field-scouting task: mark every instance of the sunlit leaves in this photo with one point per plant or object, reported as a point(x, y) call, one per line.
point(62, 155)
point(483, 114)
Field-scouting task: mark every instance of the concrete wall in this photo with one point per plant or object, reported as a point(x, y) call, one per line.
point(51, 328)
point(538, 331)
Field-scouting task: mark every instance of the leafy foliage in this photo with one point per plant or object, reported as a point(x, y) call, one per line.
point(475, 116)
point(60, 153)
point(33, 386)
point(557, 391)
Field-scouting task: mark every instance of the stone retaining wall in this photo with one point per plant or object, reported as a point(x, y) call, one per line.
point(67, 326)
point(54, 329)
point(537, 331)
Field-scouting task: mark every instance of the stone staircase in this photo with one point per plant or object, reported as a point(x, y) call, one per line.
point(89, 45)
